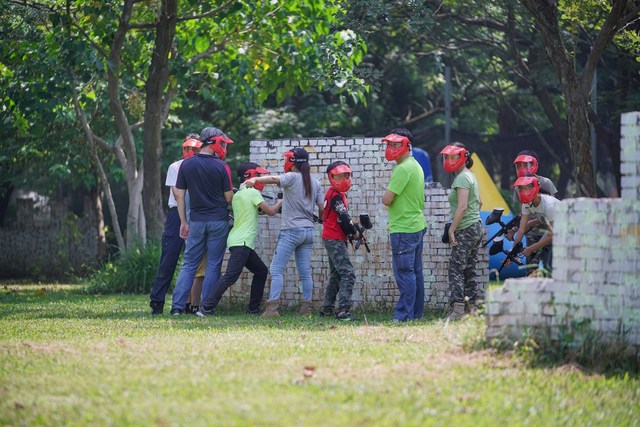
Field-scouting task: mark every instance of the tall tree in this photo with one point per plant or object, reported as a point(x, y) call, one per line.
point(576, 76)
point(128, 63)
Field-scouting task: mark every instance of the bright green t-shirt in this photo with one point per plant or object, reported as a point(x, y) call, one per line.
point(466, 179)
point(406, 211)
point(245, 218)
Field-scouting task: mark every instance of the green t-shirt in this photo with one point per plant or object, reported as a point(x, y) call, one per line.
point(406, 211)
point(245, 218)
point(466, 179)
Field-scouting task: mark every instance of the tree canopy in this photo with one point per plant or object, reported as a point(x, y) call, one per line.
point(96, 91)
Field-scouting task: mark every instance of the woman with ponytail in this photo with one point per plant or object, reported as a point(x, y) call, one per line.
point(300, 193)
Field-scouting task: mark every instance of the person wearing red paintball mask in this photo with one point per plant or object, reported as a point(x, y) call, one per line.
point(242, 242)
point(301, 194)
point(404, 197)
point(172, 244)
point(543, 206)
point(526, 163)
point(465, 232)
point(207, 178)
point(338, 228)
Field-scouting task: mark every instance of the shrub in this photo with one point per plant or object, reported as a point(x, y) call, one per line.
point(131, 273)
point(576, 343)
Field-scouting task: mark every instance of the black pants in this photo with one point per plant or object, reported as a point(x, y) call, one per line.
point(241, 256)
point(172, 245)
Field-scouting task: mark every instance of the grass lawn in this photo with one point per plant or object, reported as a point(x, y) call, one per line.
point(73, 359)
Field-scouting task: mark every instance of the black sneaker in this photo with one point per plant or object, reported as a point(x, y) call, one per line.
point(345, 316)
point(326, 311)
point(176, 312)
point(203, 312)
point(193, 309)
point(156, 307)
point(254, 312)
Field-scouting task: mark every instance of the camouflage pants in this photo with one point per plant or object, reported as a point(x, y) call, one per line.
point(462, 264)
point(341, 276)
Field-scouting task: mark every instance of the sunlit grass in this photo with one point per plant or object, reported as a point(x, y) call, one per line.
point(73, 359)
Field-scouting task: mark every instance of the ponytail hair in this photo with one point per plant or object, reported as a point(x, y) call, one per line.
point(305, 170)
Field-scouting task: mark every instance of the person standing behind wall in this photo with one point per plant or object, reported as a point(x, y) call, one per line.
point(208, 179)
point(172, 243)
point(465, 232)
point(337, 229)
point(405, 198)
point(300, 193)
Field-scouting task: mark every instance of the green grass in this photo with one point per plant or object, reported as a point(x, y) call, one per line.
point(68, 358)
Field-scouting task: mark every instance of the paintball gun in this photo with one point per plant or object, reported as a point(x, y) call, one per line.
point(365, 224)
point(496, 217)
point(498, 247)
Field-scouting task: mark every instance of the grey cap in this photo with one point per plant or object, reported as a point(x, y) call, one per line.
point(208, 133)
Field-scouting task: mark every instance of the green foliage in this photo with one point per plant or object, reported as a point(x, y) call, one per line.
point(131, 273)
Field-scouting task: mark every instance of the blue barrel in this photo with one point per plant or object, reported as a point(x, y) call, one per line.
point(423, 159)
point(495, 261)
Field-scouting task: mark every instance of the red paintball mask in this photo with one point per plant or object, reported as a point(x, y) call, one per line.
point(341, 183)
point(525, 165)
point(397, 146)
point(219, 145)
point(293, 157)
point(453, 158)
point(528, 186)
point(190, 147)
point(251, 173)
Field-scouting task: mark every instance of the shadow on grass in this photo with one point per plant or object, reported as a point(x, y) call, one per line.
point(42, 302)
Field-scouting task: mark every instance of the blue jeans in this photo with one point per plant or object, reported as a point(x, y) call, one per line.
point(209, 237)
point(300, 241)
point(406, 249)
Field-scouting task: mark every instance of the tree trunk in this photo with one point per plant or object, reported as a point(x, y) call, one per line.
point(545, 14)
point(125, 147)
point(580, 141)
point(154, 116)
point(96, 198)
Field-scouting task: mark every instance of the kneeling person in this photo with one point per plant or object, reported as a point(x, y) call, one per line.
point(241, 242)
point(542, 205)
point(338, 227)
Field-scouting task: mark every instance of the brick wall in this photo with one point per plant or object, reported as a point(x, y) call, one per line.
point(375, 284)
point(596, 276)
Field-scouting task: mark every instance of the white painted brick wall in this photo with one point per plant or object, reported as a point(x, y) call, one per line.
point(596, 260)
point(375, 283)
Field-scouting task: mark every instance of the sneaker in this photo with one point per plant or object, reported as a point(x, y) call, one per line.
point(254, 312)
point(345, 316)
point(203, 312)
point(326, 311)
point(176, 312)
point(156, 307)
point(193, 309)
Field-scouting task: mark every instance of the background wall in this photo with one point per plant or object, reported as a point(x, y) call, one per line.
point(49, 239)
point(375, 284)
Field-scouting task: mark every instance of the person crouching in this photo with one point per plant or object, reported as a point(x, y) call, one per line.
point(241, 243)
